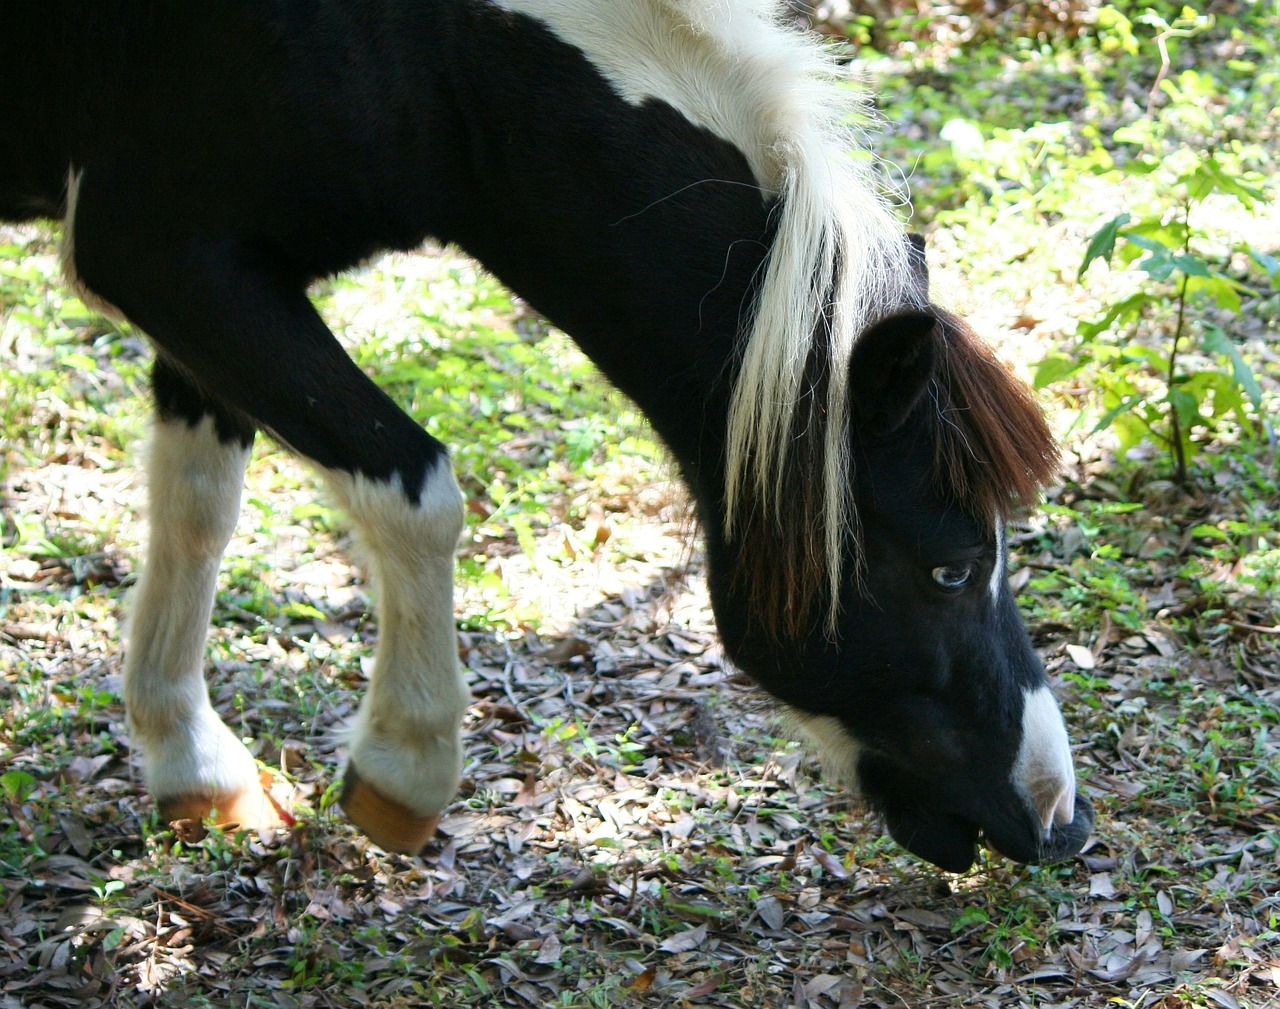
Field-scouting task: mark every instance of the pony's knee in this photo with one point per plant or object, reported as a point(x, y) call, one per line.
point(195, 478)
point(447, 502)
point(394, 521)
point(441, 511)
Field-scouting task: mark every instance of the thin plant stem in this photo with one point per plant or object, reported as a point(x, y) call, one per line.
point(1175, 422)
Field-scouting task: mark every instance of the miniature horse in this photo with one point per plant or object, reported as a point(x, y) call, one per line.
point(666, 180)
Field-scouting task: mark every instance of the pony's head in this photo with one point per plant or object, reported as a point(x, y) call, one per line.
point(926, 695)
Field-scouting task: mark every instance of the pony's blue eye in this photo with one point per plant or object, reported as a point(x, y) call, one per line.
point(954, 576)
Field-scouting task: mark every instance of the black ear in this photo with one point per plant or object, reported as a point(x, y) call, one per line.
point(890, 369)
point(919, 264)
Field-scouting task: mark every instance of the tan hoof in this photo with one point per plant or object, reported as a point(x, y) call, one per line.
point(390, 825)
point(249, 809)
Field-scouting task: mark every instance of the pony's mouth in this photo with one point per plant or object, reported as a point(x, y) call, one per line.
point(1031, 845)
point(951, 842)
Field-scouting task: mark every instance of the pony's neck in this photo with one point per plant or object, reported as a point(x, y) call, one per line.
point(638, 233)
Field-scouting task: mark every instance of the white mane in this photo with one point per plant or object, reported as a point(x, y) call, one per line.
point(735, 68)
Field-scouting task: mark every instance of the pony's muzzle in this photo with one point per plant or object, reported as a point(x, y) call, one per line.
point(1033, 844)
point(951, 842)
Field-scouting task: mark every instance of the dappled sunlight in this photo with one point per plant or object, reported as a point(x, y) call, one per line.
point(634, 826)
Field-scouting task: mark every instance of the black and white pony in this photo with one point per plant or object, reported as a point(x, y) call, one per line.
point(667, 180)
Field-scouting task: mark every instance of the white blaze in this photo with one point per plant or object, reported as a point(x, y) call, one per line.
point(1001, 565)
point(1043, 769)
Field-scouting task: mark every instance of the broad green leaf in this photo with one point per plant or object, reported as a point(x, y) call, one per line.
point(1130, 429)
point(1227, 396)
point(970, 916)
point(1192, 266)
point(1216, 341)
point(1123, 407)
point(1135, 133)
point(17, 785)
point(1172, 234)
point(1159, 265)
point(1155, 358)
point(1125, 310)
point(1103, 243)
point(1211, 177)
point(1216, 392)
point(1140, 166)
point(1054, 368)
point(1223, 290)
point(1268, 263)
point(1185, 404)
point(1148, 242)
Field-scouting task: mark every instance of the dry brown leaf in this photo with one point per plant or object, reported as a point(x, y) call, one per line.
point(770, 910)
point(705, 987)
point(686, 941)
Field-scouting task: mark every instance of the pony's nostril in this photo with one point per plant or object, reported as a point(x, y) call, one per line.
point(1043, 768)
point(1064, 811)
point(1055, 803)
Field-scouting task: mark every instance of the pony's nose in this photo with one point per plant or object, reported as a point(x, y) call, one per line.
point(1032, 844)
point(1043, 771)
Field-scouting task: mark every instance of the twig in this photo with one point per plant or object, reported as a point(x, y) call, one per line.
point(1256, 628)
point(1162, 40)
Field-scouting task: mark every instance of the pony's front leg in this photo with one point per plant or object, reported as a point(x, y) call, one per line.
point(194, 765)
point(406, 755)
point(239, 322)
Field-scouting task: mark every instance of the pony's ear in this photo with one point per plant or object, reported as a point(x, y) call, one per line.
point(919, 264)
point(889, 370)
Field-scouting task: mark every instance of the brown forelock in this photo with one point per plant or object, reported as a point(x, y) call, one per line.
point(994, 448)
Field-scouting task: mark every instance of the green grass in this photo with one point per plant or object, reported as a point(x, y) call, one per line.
point(595, 841)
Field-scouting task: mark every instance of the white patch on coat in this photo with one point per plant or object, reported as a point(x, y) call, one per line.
point(405, 740)
point(779, 96)
point(194, 483)
point(1043, 770)
point(836, 747)
point(1000, 569)
point(67, 254)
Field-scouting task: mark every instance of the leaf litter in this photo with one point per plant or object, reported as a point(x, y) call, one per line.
point(633, 827)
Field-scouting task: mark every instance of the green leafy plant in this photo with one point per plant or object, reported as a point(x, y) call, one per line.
point(1153, 389)
point(16, 786)
point(1164, 366)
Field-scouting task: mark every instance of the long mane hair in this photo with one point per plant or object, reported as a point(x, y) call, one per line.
point(839, 262)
